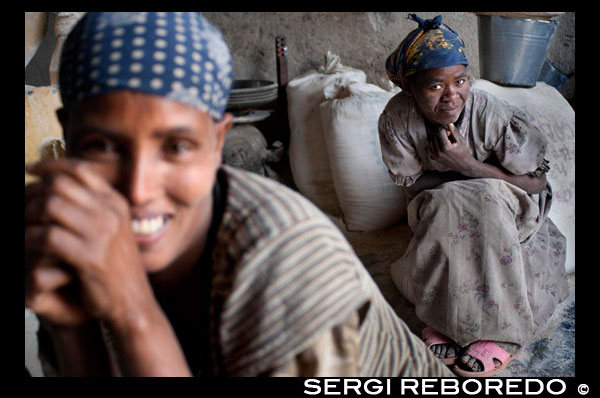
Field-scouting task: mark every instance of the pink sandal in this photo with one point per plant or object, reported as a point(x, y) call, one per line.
point(433, 337)
point(485, 352)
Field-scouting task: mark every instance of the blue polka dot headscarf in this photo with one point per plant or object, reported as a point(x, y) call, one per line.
point(176, 55)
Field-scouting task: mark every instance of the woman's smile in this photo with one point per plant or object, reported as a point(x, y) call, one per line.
point(149, 229)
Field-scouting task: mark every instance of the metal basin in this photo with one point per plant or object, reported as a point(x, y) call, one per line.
point(512, 50)
point(252, 93)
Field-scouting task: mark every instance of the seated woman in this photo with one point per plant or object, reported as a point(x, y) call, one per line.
point(147, 257)
point(485, 266)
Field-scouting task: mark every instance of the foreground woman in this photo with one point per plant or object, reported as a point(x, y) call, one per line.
point(147, 257)
point(485, 267)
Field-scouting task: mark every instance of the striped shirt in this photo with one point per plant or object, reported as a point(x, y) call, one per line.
point(283, 275)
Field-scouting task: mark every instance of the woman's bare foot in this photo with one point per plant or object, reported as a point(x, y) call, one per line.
point(441, 346)
point(472, 364)
point(444, 350)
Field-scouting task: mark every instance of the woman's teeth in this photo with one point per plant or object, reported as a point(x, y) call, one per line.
point(147, 226)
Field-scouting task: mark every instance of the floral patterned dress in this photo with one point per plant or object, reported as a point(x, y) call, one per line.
point(485, 262)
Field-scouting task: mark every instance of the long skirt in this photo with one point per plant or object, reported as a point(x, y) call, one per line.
point(484, 263)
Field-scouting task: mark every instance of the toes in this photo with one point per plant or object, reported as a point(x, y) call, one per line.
point(443, 350)
point(470, 362)
point(451, 352)
point(474, 364)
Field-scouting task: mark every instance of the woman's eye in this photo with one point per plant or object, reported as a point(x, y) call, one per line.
point(99, 147)
point(460, 82)
point(436, 87)
point(179, 146)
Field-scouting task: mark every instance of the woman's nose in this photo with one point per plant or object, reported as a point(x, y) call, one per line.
point(450, 93)
point(140, 182)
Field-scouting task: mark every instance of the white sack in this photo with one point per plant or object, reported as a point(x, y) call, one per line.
point(308, 156)
point(552, 114)
point(367, 196)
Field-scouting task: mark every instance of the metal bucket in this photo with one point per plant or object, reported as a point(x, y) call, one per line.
point(551, 75)
point(512, 50)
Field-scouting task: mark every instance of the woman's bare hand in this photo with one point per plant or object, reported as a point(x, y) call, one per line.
point(75, 217)
point(448, 151)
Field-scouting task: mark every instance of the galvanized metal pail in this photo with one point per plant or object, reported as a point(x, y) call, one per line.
point(512, 50)
point(551, 75)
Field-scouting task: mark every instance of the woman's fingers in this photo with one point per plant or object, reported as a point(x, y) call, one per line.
point(56, 241)
point(55, 209)
point(450, 133)
point(57, 308)
point(77, 169)
point(454, 137)
point(445, 138)
point(47, 275)
point(50, 292)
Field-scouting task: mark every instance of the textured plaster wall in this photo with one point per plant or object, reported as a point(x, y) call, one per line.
point(562, 53)
point(363, 40)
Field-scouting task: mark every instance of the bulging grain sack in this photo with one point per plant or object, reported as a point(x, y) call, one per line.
point(368, 198)
point(551, 114)
point(309, 162)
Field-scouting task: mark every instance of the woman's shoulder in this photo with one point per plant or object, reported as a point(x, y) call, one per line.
point(266, 220)
point(397, 111)
point(259, 200)
point(399, 101)
point(487, 104)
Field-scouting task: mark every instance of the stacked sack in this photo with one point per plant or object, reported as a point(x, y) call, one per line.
point(309, 161)
point(335, 155)
point(550, 112)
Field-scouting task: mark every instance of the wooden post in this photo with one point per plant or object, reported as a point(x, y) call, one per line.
point(281, 50)
point(62, 26)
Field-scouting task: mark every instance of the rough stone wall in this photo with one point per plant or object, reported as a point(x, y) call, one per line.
point(562, 53)
point(363, 40)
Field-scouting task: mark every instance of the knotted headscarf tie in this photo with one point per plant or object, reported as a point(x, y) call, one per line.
point(432, 45)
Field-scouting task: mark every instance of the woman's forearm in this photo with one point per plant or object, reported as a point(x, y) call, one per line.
point(80, 350)
point(429, 180)
point(146, 345)
point(531, 185)
point(144, 341)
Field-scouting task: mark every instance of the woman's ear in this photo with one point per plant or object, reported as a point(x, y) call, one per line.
point(221, 128)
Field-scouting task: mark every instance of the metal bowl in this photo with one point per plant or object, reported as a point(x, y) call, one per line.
point(251, 93)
